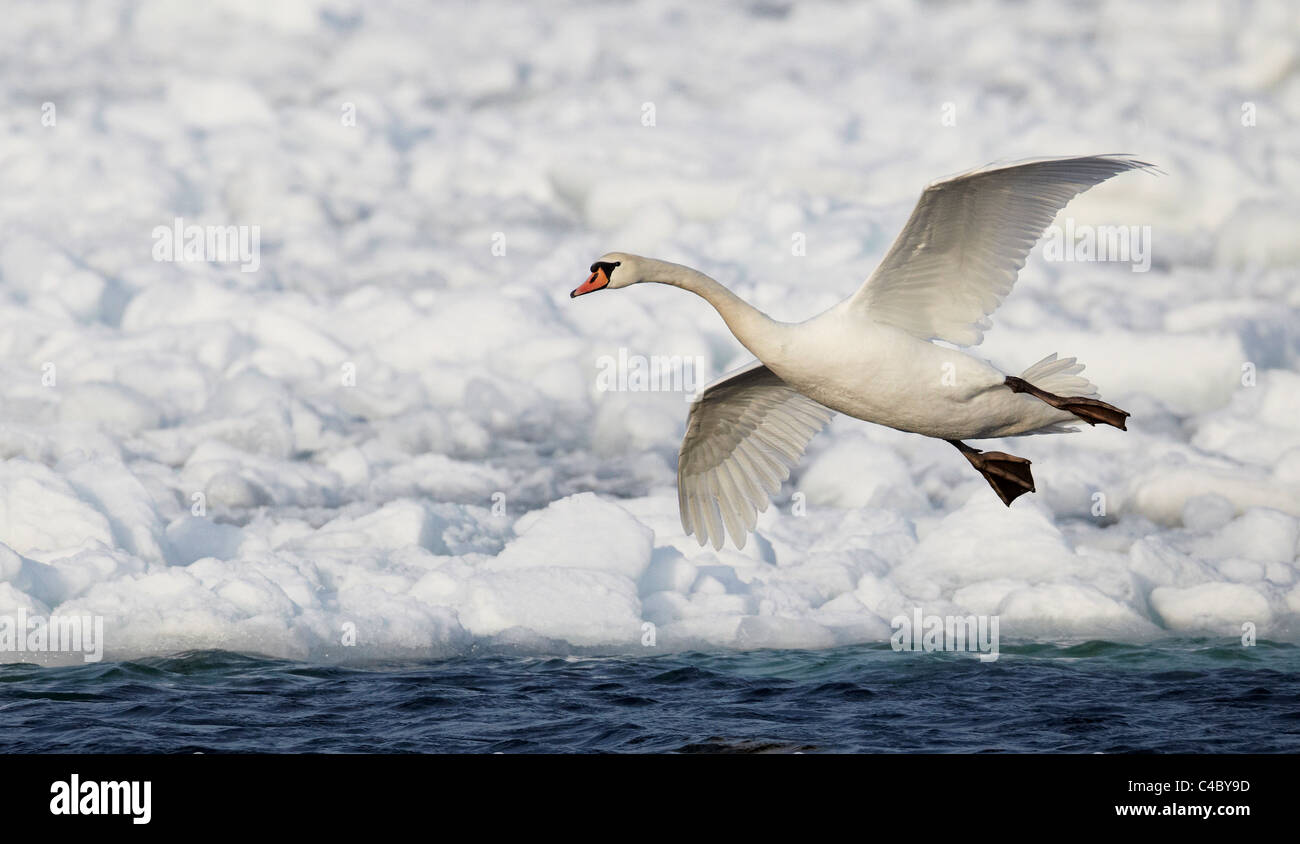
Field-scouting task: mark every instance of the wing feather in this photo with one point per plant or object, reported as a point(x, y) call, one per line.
point(968, 237)
point(745, 433)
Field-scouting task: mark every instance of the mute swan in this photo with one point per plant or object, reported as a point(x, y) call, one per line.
point(871, 356)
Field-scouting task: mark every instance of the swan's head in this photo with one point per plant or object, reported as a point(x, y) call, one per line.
point(612, 270)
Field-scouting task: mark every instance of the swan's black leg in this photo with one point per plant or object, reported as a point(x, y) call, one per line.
point(1008, 475)
point(1091, 411)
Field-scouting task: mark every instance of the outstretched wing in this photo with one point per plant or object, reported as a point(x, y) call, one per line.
point(967, 239)
point(746, 431)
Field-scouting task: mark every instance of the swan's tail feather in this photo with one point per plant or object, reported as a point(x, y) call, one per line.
point(1060, 376)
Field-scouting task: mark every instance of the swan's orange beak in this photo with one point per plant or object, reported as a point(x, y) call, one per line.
point(595, 281)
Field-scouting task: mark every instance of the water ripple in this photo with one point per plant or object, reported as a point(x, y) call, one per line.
point(1180, 696)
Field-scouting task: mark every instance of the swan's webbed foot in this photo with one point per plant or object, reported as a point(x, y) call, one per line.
point(1091, 411)
point(1007, 474)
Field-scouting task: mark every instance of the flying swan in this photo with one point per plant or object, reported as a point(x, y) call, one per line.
point(871, 356)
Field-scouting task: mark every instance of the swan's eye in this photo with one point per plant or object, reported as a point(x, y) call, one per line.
point(606, 266)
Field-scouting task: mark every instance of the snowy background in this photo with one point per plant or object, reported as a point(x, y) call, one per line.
point(130, 385)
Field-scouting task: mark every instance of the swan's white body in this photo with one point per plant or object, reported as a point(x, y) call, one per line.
point(871, 356)
point(882, 374)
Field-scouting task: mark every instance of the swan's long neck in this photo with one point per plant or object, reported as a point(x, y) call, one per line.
point(754, 329)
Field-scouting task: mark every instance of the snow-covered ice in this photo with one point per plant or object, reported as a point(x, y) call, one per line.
point(392, 426)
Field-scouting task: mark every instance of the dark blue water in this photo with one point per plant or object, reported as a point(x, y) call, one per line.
point(1189, 696)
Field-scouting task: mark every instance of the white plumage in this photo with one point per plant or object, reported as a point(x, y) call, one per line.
point(961, 250)
point(746, 432)
point(871, 356)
